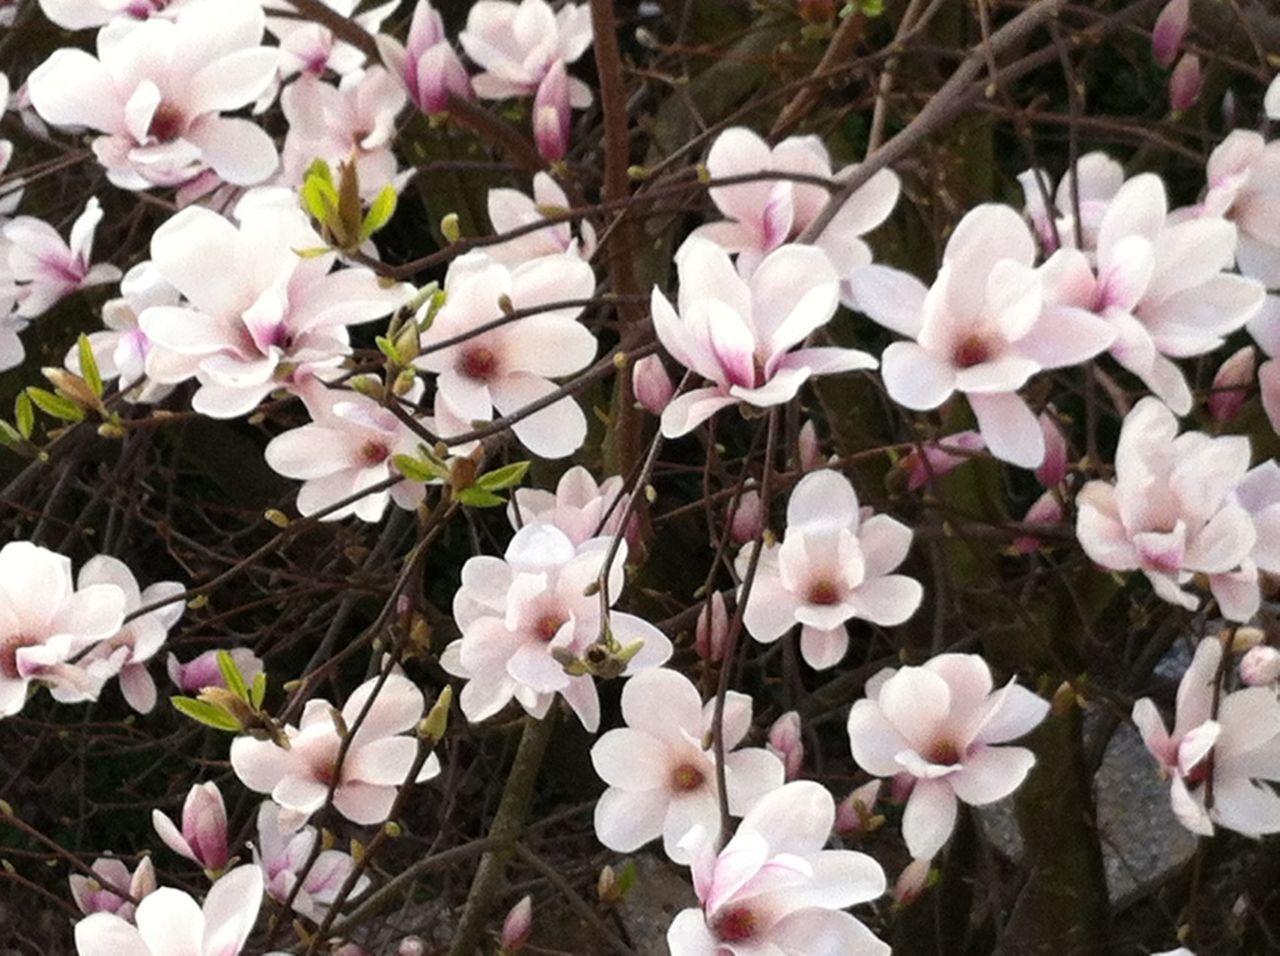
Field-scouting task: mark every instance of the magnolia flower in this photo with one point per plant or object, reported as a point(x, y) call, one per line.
point(553, 114)
point(523, 614)
point(377, 760)
point(981, 329)
point(1185, 83)
point(195, 675)
point(1265, 329)
point(831, 566)
point(310, 48)
point(516, 927)
point(511, 366)
point(45, 623)
point(774, 889)
point(739, 333)
point(510, 209)
point(428, 65)
point(580, 507)
point(1244, 186)
point(745, 517)
point(126, 653)
point(854, 813)
point(651, 384)
point(517, 45)
point(1236, 747)
point(47, 266)
point(203, 837)
point(763, 214)
point(661, 768)
point(1095, 181)
point(258, 315)
point(348, 447)
point(84, 14)
point(1172, 512)
point(156, 92)
point(1170, 30)
point(786, 744)
point(1259, 494)
point(939, 723)
point(12, 352)
point(282, 853)
point(109, 889)
point(171, 923)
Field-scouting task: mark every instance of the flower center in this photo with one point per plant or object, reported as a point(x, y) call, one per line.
point(736, 925)
point(479, 363)
point(549, 625)
point(974, 350)
point(167, 123)
point(944, 753)
point(374, 453)
point(686, 778)
point(823, 592)
point(9, 653)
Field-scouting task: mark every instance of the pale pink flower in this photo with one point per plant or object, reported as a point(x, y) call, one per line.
point(936, 459)
point(12, 352)
point(45, 623)
point(763, 214)
point(786, 743)
point(48, 267)
point(775, 889)
point(258, 316)
point(97, 893)
point(1100, 178)
point(517, 45)
point(171, 923)
point(1265, 329)
point(940, 723)
point(203, 671)
point(1239, 746)
point(712, 630)
point(377, 760)
point(1260, 666)
point(1170, 30)
point(581, 507)
point(1231, 384)
point(1185, 83)
point(281, 852)
point(203, 837)
point(156, 92)
point(661, 768)
point(427, 63)
point(349, 446)
point(1172, 512)
point(126, 653)
point(519, 613)
point(982, 329)
point(516, 927)
point(1244, 186)
point(833, 565)
point(512, 365)
point(746, 517)
point(651, 384)
point(83, 14)
point(310, 48)
point(510, 209)
point(552, 114)
point(739, 334)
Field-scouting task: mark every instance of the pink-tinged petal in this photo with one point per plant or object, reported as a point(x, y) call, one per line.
point(198, 252)
point(706, 272)
point(239, 151)
point(1007, 373)
point(1196, 744)
point(627, 820)
point(1248, 808)
point(397, 706)
point(551, 347)
point(916, 378)
point(1223, 543)
point(1011, 713)
point(733, 345)
point(929, 818)
point(584, 701)
point(888, 600)
point(1152, 729)
point(824, 932)
point(874, 741)
point(632, 760)
point(553, 432)
point(365, 804)
point(989, 233)
point(738, 151)
point(749, 775)
point(694, 812)
point(302, 794)
point(796, 818)
point(1195, 690)
point(1189, 253)
point(1269, 382)
point(1138, 209)
point(825, 360)
point(629, 629)
point(891, 298)
point(1189, 808)
point(1014, 298)
point(259, 763)
point(171, 837)
point(770, 610)
point(687, 935)
point(384, 763)
point(686, 412)
point(72, 88)
point(1009, 428)
point(91, 614)
point(1237, 593)
point(916, 701)
point(823, 499)
point(884, 542)
point(991, 773)
point(231, 909)
point(663, 704)
point(105, 934)
point(822, 648)
point(782, 386)
point(794, 291)
point(1066, 336)
point(171, 922)
point(138, 689)
point(1099, 527)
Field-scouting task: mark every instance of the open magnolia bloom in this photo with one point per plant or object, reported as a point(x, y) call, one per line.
point(661, 767)
point(203, 837)
point(156, 92)
point(48, 268)
point(510, 209)
point(775, 889)
point(377, 760)
point(283, 853)
point(82, 14)
point(981, 329)
point(939, 724)
point(1096, 180)
point(1244, 186)
point(524, 615)
point(1173, 512)
point(763, 214)
point(171, 923)
point(1237, 747)
point(741, 334)
point(310, 48)
point(258, 316)
point(518, 44)
point(580, 507)
point(98, 893)
point(832, 566)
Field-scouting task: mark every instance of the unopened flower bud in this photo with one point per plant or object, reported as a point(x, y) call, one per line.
point(1231, 384)
point(1185, 83)
point(746, 519)
point(936, 459)
point(786, 744)
point(854, 813)
point(1169, 32)
point(552, 114)
point(810, 452)
point(516, 928)
point(900, 787)
point(712, 631)
point(651, 384)
point(1047, 510)
point(1053, 469)
point(203, 838)
point(911, 882)
point(411, 946)
point(1260, 666)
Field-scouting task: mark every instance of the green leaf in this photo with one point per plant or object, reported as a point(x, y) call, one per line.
point(503, 477)
point(319, 169)
point(259, 690)
point(55, 405)
point(9, 436)
point(388, 348)
point(232, 676)
point(24, 414)
point(476, 497)
point(415, 469)
point(205, 713)
point(312, 252)
point(320, 198)
point(380, 213)
point(89, 366)
point(626, 877)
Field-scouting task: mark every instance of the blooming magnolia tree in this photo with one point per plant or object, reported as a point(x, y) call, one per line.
point(476, 466)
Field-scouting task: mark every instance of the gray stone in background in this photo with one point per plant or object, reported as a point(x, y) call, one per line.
point(661, 890)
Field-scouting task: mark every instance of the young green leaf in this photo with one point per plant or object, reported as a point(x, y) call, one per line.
point(476, 497)
point(415, 469)
point(24, 414)
point(258, 690)
point(55, 405)
point(232, 676)
point(205, 713)
point(89, 366)
point(380, 213)
point(504, 477)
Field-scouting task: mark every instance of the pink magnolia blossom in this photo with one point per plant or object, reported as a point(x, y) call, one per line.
point(97, 893)
point(49, 268)
point(1099, 177)
point(518, 44)
point(516, 927)
point(1172, 512)
point(775, 889)
point(1045, 510)
point(310, 48)
point(156, 91)
point(1244, 186)
point(833, 565)
point(982, 329)
point(510, 209)
point(45, 623)
point(521, 613)
point(126, 653)
point(661, 769)
point(171, 923)
point(377, 760)
point(427, 63)
point(1231, 384)
point(935, 459)
point(1170, 30)
point(739, 334)
point(1260, 666)
point(258, 316)
point(203, 671)
point(203, 837)
point(745, 517)
point(1239, 746)
point(1185, 83)
point(763, 214)
point(651, 384)
point(12, 352)
point(349, 446)
point(1265, 329)
point(281, 853)
point(940, 723)
point(84, 14)
point(854, 812)
point(808, 448)
point(552, 114)
point(512, 365)
point(712, 630)
point(581, 507)
point(785, 743)
point(912, 881)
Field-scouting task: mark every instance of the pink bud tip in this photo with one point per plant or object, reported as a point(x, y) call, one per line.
point(712, 630)
point(746, 521)
point(517, 927)
point(1185, 83)
point(651, 384)
point(785, 743)
point(1169, 31)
